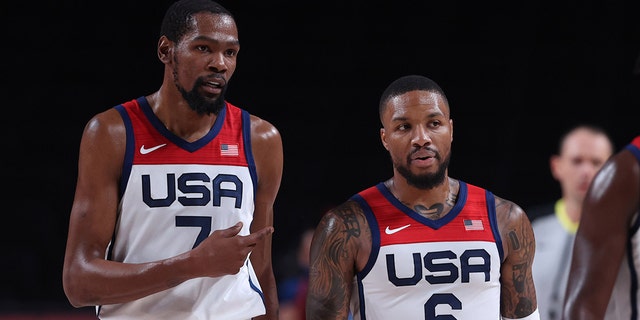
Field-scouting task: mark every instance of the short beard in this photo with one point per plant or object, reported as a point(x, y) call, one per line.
point(196, 101)
point(425, 181)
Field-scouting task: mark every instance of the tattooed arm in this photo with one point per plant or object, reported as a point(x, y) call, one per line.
point(518, 297)
point(341, 237)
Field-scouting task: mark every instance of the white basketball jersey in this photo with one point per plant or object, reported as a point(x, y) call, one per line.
point(174, 194)
point(430, 269)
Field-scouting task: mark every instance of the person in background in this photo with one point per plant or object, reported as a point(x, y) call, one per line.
point(292, 290)
point(421, 245)
point(603, 277)
point(173, 210)
point(581, 153)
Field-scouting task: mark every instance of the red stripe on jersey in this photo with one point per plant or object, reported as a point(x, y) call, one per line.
point(396, 227)
point(153, 147)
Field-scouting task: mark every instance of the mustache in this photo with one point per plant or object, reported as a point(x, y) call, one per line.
point(429, 149)
point(216, 77)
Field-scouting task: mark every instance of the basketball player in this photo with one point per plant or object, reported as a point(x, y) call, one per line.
point(173, 212)
point(606, 253)
point(421, 245)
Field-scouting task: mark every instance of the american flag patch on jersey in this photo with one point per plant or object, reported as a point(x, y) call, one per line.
point(229, 149)
point(473, 224)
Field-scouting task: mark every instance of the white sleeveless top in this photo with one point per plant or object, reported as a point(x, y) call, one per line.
point(175, 193)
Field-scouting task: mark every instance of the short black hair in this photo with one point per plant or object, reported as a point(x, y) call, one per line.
point(177, 20)
point(408, 83)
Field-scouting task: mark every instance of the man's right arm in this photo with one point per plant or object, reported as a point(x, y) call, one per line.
point(332, 263)
point(88, 278)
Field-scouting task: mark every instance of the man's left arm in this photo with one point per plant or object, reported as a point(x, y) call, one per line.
point(518, 294)
point(268, 154)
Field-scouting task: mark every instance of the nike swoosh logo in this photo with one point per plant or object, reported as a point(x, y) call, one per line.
point(144, 150)
point(392, 231)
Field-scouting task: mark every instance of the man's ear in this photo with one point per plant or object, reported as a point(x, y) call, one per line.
point(383, 138)
point(165, 49)
point(554, 165)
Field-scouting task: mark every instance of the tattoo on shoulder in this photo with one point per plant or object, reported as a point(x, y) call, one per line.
point(348, 214)
point(513, 239)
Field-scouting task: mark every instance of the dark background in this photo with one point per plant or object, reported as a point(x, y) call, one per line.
point(517, 74)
